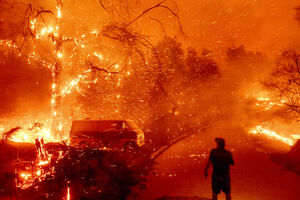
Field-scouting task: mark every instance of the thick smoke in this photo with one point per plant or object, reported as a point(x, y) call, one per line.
point(244, 38)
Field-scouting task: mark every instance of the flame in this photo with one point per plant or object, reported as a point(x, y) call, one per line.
point(295, 137)
point(59, 55)
point(68, 194)
point(29, 136)
point(98, 55)
point(43, 162)
point(260, 130)
point(25, 176)
point(58, 12)
point(44, 31)
point(74, 83)
point(267, 104)
point(38, 171)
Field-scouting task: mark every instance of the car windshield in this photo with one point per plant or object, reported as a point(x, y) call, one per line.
point(102, 129)
point(99, 126)
point(132, 125)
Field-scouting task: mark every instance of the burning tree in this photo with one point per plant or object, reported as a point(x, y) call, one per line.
point(285, 79)
point(203, 66)
point(79, 55)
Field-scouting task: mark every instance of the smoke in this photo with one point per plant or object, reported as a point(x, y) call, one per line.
point(25, 89)
point(262, 27)
point(265, 26)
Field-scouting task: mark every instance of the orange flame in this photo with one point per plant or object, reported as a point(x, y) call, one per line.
point(29, 136)
point(68, 194)
point(260, 130)
point(267, 104)
point(38, 171)
point(74, 83)
point(25, 176)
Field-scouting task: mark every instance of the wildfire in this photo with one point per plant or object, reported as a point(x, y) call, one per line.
point(43, 31)
point(74, 83)
point(260, 130)
point(37, 172)
point(267, 104)
point(31, 133)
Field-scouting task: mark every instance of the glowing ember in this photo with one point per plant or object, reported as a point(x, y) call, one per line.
point(74, 83)
point(25, 176)
point(37, 172)
point(98, 55)
point(58, 13)
point(260, 130)
point(8, 43)
point(267, 104)
point(59, 55)
point(41, 163)
point(68, 194)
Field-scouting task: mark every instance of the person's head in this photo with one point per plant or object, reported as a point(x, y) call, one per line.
point(220, 142)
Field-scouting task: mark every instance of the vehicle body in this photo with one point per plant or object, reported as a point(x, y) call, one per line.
point(106, 134)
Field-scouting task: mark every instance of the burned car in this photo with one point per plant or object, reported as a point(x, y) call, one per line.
point(106, 134)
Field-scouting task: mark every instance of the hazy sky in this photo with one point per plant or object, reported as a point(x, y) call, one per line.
point(263, 25)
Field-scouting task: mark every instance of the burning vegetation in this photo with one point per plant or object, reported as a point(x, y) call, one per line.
point(147, 61)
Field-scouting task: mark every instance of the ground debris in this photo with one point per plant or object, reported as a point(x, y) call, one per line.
point(88, 174)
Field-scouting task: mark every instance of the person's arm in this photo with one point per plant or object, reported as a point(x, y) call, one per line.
point(208, 164)
point(231, 161)
point(206, 168)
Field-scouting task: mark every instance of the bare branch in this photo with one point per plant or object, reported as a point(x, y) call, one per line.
point(160, 23)
point(144, 12)
point(92, 66)
point(102, 5)
point(159, 5)
point(177, 17)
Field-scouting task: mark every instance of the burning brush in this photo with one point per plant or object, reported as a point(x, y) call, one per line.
point(34, 171)
point(264, 131)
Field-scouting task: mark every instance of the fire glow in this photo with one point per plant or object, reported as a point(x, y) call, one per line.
point(267, 104)
point(260, 130)
point(42, 31)
point(29, 133)
point(68, 194)
point(37, 170)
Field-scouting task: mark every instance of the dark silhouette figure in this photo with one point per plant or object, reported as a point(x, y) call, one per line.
point(221, 159)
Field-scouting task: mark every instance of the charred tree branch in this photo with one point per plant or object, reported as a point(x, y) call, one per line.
point(92, 66)
point(143, 13)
